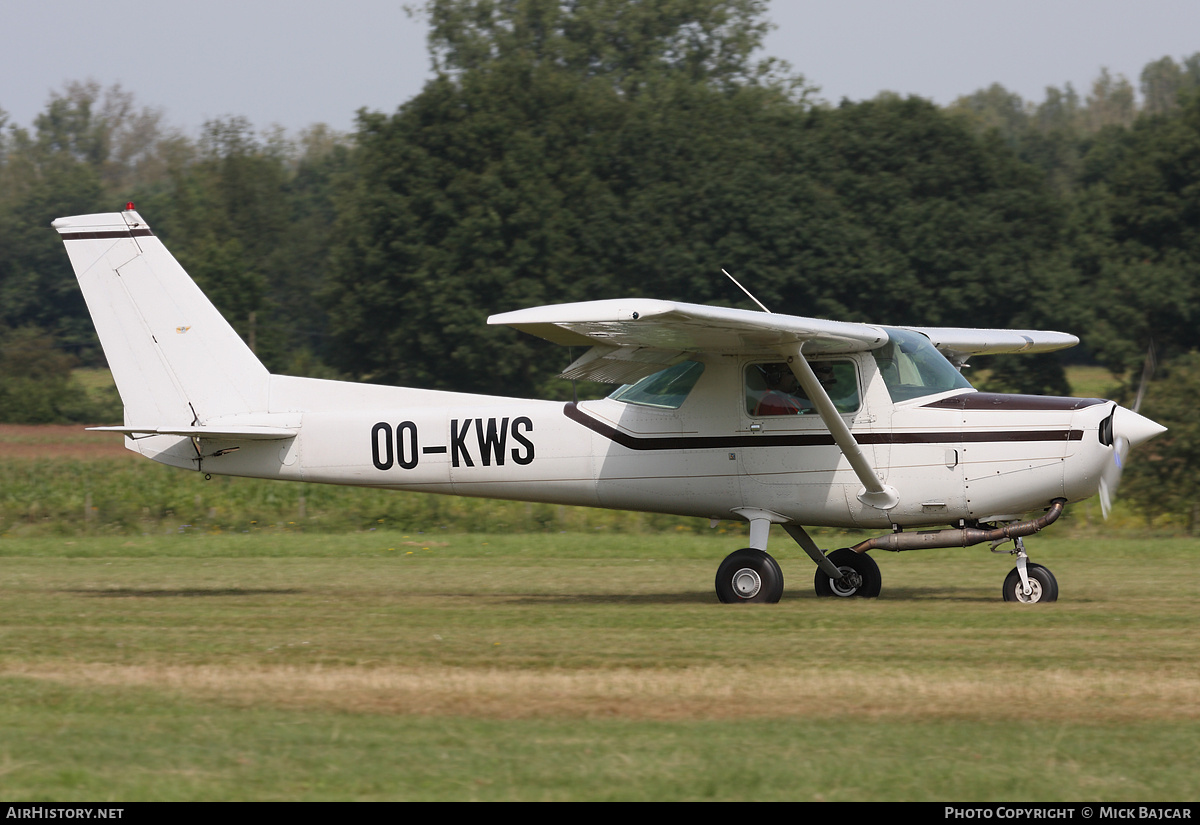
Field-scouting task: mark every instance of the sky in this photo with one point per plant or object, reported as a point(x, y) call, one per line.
point(296, 63)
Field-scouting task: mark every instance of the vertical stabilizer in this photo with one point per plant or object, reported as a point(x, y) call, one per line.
point(174, 359)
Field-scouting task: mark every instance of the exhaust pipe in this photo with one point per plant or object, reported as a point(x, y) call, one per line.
point(965, 537)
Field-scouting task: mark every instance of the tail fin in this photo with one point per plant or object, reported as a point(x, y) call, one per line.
point(175, 360)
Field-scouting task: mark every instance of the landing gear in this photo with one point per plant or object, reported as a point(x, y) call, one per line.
point(1043, 587)
point(1028, 582)
point(860, 576)
point(749, 575)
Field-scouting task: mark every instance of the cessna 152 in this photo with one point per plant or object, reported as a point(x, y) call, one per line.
point(724, 414)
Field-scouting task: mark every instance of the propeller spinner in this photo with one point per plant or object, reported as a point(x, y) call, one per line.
point(1128, 429)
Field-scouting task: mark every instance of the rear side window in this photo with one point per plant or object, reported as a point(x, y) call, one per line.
point(666, 389)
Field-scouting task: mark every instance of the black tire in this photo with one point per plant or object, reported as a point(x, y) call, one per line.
point(749, 575)
point(847, 560)
point(1041, 580)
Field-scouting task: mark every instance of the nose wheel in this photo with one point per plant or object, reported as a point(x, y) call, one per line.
point(1029, 582)
point(749, 575)
point(1042, 586)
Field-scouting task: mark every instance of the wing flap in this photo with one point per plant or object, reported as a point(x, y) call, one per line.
point(620, 365)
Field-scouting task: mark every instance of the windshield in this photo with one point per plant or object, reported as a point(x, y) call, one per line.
point(912, 367)
point(666, 389)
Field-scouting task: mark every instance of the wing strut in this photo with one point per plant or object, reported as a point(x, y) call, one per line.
point(876, 494)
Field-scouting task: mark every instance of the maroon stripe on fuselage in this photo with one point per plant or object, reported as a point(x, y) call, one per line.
point(821, 439)
point(1012, 402)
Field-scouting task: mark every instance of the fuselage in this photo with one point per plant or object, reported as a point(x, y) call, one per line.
point(954, 455)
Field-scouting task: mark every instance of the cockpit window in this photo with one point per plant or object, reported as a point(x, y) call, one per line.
point(666, 389)
point(772, 388)
point(912, 367)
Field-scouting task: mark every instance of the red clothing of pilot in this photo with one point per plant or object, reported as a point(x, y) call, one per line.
point(777, 402)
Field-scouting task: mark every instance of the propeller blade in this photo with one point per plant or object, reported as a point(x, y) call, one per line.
point(1129, 430)
point(1147, 370)
point(1110, 479)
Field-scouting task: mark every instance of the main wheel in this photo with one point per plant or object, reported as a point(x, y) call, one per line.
point(1041, 582)
point(862, 576)
point(749, 575)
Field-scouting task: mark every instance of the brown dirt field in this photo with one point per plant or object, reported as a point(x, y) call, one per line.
point(30, 441)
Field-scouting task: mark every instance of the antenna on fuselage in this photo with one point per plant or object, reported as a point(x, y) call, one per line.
point(743, 289)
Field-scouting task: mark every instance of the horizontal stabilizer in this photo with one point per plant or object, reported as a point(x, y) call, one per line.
point(220, 433)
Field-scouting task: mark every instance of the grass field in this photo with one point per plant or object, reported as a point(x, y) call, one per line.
point(569, 667)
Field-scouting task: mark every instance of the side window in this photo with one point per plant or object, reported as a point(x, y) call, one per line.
point(771, 388)
point(666, 389)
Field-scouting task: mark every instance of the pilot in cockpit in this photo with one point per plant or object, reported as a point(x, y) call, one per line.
point(783, 395)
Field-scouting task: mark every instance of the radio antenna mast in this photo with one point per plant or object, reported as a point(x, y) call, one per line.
point(743, 289)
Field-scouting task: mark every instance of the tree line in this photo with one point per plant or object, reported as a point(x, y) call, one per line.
point(589, 149)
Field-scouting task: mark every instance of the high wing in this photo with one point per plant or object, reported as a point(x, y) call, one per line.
point(632, 338)
point(959, 344)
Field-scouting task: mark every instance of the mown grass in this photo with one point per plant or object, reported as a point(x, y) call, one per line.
point(393, 665)
point(145, 746)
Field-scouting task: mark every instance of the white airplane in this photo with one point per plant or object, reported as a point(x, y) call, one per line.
point(723, 414)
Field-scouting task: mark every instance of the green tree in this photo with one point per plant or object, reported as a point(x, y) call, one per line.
point(519, 177)
point(628, 45)
point(995, 108)
point(1136, 237)
point(86, 142)
point(36, 383)
point(940, 226)
point(1163, 477)
point(250, 216)
point(1111, 103)
point(1161, 82)
point(564, 153)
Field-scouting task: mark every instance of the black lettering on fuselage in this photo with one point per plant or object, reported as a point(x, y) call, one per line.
point(402, 448)
point(517, 425)
point(406, 450)
point(404, 453)
point(492, 445)
point(491, 435)
point(381, 449)
point(458, 443)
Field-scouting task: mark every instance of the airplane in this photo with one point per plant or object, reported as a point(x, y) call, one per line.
point(724, 414)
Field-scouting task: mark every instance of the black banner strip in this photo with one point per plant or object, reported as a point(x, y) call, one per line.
point(107, 235)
